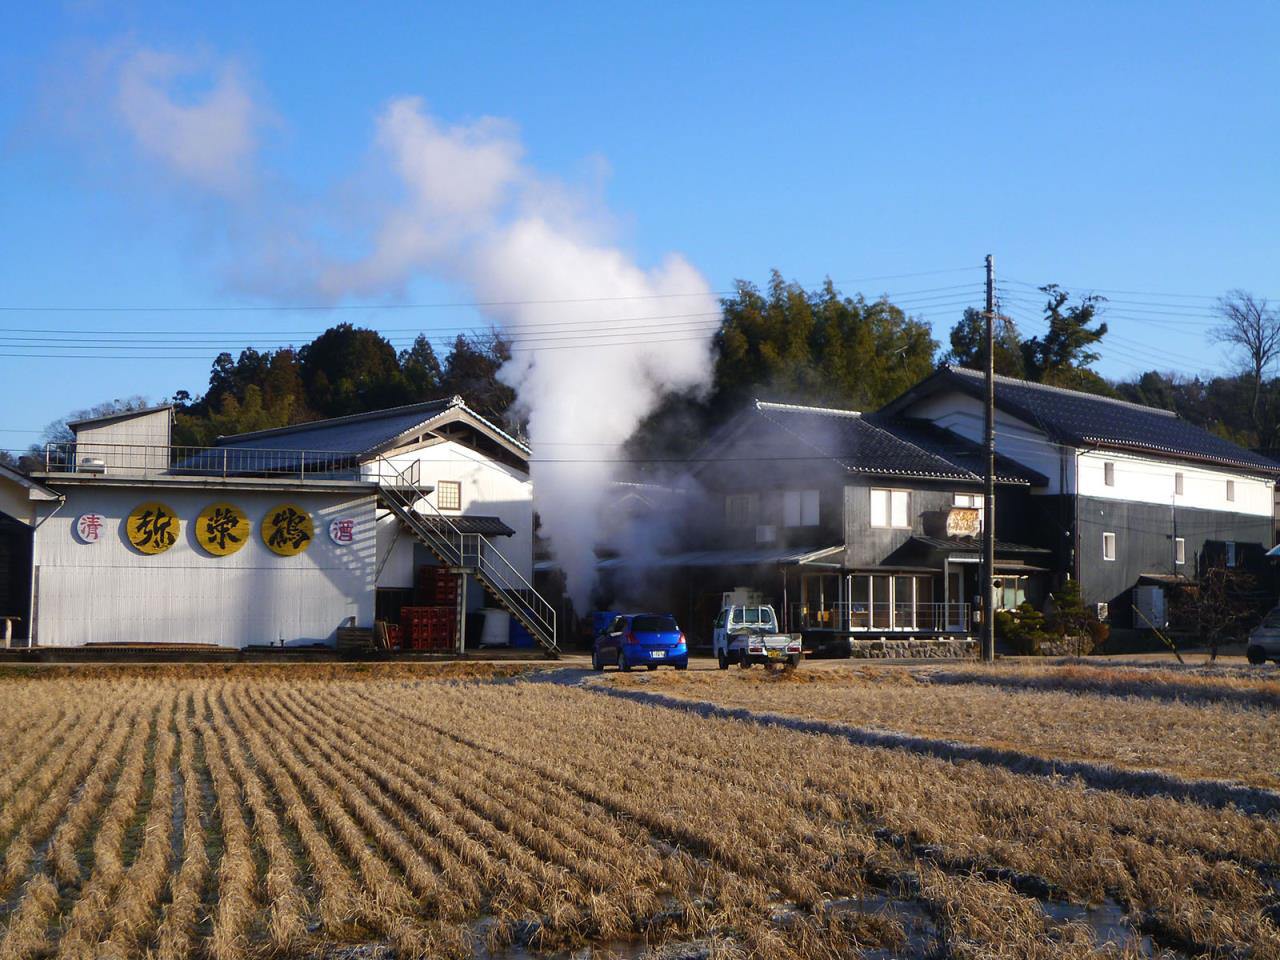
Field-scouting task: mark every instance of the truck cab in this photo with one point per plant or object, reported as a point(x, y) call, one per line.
point(748, 633)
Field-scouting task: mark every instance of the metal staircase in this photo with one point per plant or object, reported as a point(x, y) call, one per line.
point(470, 553)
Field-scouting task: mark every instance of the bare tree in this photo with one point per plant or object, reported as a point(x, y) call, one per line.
point(1251, 326)
point(1218, 605)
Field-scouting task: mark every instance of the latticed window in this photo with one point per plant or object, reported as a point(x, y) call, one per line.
point(449, 495)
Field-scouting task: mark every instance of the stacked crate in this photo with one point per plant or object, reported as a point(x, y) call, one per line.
point(432, 622)
point(436, 587)
point(428, 628)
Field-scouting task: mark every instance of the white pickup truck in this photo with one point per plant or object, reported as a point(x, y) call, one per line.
point(749, 634)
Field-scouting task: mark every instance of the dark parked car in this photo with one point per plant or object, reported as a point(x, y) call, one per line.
point(641, 639)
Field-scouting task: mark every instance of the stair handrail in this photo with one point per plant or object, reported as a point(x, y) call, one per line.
point(515, 583)
point(509, 581)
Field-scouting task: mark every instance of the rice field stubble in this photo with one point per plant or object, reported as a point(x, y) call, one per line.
point(225, 818)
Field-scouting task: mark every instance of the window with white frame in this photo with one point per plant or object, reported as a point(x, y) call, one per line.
point(800, 508)
point(1108, 546)
point(1179, 550)
point(1231, 490)
point(1230, 553)
point(1109, 473)
point(740, 509)
point(1177, 484)
point(449, 495)
point(890, 508)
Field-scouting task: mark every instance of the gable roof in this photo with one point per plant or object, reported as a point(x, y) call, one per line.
point(872, 444)
point(1079, 419)
point(75, 425)
point(364, 434)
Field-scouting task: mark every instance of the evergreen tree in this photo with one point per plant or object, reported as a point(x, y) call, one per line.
point(969, 344)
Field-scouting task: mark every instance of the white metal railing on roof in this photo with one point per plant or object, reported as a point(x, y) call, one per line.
point(91, 458)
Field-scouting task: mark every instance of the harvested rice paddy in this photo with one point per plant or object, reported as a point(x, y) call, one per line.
point(240, 816)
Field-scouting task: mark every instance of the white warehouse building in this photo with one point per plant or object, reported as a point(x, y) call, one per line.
point(279, 537)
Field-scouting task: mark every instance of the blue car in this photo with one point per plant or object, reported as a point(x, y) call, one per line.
point(641, 640)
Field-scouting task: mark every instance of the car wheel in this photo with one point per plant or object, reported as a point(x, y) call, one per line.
point(722, 658)
point(622, 663)
point(685, 666)
point(1256, 656)
point(596, 665)
point(744, 661)
point(794, 660)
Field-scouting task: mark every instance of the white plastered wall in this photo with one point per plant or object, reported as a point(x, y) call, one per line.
point(1015, 439)
point(109, 592)
point(489, 489)
point(1145, 480)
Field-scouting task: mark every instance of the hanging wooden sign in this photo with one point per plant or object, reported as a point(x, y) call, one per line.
point(222, 529)
point(287, 529)
point(152, 527)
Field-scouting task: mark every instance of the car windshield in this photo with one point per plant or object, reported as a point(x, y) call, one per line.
point(1272, 619)
point(654, 625)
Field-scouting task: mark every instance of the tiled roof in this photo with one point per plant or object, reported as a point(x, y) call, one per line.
point(485, 526)
point(949, 544)
point(956, 449)
point(358, 433)
point(1083, 419)
point(882, 446)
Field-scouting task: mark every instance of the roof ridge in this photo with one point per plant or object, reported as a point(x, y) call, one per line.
point(956, 471)
point(1053, 388)
point(444, 403)
point(801, 408)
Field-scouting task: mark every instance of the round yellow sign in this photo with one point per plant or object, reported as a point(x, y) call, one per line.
point(222, 528)
point(287, 529)
point(152, 527)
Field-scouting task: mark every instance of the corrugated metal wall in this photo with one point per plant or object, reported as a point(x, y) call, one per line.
point(109, 592)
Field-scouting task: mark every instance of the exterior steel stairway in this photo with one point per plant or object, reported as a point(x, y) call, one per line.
point(470, 553)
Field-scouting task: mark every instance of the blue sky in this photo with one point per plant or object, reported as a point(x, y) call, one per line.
point(1116, 147)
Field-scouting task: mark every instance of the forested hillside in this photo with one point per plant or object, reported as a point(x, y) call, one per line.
point(782, 342)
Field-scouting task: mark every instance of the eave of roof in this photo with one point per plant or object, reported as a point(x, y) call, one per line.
point(35, 489)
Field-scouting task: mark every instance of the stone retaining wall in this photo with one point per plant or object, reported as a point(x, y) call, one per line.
point(913, 647)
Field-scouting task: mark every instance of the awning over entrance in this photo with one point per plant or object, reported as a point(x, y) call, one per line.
point(753, 557)
point(485, 526)
point(933, 551)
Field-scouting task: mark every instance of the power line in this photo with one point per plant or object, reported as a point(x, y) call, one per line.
point(280, 307)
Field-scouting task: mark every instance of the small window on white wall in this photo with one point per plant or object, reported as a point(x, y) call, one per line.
point(1108, 546)
point(449, 495)
point(1179, 550)
point(890, 508)
point(1109, 473)
point(1177, 484)
point(1231, 490)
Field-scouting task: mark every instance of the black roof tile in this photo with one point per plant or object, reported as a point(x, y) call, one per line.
point(1084, 419)
point(881, 446)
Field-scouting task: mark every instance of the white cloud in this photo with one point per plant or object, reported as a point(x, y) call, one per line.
point(207, 139)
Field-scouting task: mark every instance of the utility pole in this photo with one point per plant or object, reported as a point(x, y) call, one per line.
point(989, 497)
